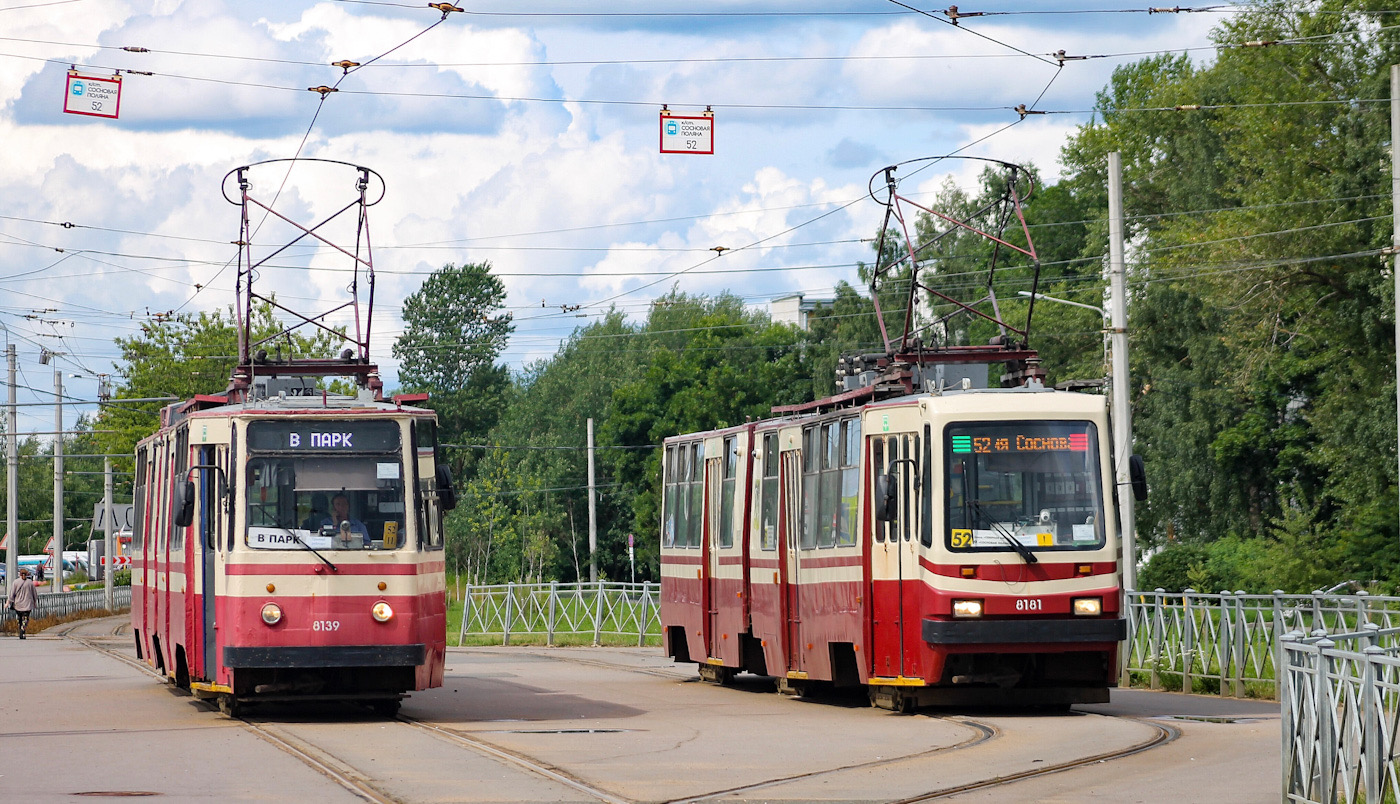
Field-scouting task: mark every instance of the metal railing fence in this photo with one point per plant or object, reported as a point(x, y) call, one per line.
point(68, 603)
point(1340, 696)
point(1193, 641)
point(553, 610)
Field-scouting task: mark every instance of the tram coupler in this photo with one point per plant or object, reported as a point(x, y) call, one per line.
point(716, 674)
point(894, 699)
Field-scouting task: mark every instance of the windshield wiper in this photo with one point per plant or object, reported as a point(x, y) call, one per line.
point(1011, 540)
point(303, 543)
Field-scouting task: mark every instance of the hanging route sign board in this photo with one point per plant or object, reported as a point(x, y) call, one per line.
point(96, 97)
point(687, 134)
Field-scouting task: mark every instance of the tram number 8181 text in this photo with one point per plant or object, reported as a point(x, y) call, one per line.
point(1030, 605)
point(325, 625)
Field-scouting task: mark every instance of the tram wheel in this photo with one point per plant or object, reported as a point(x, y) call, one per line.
point(387, 707)
point(229, 705)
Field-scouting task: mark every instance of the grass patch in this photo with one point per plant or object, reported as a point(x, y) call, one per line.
point(39, 624)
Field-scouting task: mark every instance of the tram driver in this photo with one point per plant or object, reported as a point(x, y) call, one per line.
point(345, 526)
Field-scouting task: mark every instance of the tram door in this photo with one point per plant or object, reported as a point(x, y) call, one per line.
point(790, 471)
point(208, 524)
point(894, 559)
point(723, 552)
point(712, 594)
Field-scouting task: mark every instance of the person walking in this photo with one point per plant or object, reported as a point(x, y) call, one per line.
point(22, 600)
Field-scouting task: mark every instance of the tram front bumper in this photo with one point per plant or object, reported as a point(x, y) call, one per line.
point(302, 656)
point(1003, 632)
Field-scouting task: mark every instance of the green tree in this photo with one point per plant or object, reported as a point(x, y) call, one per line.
point(1259, 306)
point(181, 356)
point(726, 366)
point(453, 332)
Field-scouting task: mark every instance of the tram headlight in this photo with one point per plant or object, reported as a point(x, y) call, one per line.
point(967, 608)
point(271, 613)
point(1087, 606)
point(382, 612)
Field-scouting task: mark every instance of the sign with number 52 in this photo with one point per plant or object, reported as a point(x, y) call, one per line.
point(687, 134)
point(96, 97)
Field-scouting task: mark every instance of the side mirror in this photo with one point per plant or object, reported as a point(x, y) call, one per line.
point(1137, 475)
point(184, 504)
point(447, 493)
point(886, 498)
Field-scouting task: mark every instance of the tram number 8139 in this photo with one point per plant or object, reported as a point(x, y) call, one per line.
point(325, 625)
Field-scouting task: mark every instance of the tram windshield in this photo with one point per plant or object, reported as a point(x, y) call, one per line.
point(1024, 485)
point(331, 499)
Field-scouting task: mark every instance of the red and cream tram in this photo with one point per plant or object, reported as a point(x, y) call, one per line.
point(920, 533)
point(957, 547)
point(289, 547)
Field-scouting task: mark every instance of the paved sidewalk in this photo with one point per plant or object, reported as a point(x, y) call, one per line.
point(74, 721)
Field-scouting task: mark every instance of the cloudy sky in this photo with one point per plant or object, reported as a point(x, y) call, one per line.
point(523, 133)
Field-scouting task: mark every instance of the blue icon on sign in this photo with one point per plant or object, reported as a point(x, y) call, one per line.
point(672, 129)
point(78, 88)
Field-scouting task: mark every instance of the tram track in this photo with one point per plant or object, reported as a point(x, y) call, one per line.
point(346, 775)
point(368, 788)
point(1164, 735)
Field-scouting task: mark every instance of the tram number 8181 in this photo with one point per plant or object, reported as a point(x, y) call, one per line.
point(1030, 604)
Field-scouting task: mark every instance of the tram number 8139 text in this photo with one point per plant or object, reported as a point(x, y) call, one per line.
point(325, 625)
point(1030, 605)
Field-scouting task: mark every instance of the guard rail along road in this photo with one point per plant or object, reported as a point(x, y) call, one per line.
point(571, 613)
point(66, 604)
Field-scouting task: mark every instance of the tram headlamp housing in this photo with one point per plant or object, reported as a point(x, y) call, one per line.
point(271, 613)
point(382, 612)
point(1087, 606)
point(967, 609)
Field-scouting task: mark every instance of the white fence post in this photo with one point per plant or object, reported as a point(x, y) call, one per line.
point(1326, 734)
point(505, 622)
point(598, 616)
point(553, 604)
point(644, 621)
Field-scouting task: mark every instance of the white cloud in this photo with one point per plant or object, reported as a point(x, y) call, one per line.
point(572, 187)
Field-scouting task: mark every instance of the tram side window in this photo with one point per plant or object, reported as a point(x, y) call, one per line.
point(768, 492)
point(830, 488)
point(926, 490)
point(182, 462)
point(877, 460)
point(430, 532)
point(850, 481)
point(684, 503)
point(668, 524)
point(908, 475)
point(726, 494)
point(138, 525)
point(896, 457)
point(696, 508)
point(813, 446)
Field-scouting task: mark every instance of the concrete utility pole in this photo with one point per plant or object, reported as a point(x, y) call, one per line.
point(12, 474)
point(56, 584)
point(108, 593)
point(1395, 215)
point(592, 513)
point(1122, 402)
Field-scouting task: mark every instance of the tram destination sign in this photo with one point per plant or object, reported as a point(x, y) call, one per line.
point(301, 435)
point(94, 97)
point(687, 134)
point(1020, 442)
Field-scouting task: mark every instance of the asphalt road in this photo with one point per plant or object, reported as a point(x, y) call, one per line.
point(595, 724)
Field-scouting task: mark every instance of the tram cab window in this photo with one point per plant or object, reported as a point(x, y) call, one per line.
point(1035, 482)
point(330, 502)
